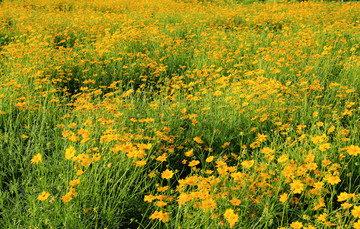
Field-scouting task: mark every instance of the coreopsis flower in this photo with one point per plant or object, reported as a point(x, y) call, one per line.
point(74, 182)
point(70, 152)
point(296, 225)
point(343, 196)
point(324, 147)
point(322, 217)
point(235, 201)
point(149, 198)
point(67, 197)
point(346, 205)
point(357, 225)
point(198, 140)
point(209, 159)
point(248, 164)
point(44, 195)
point(36, 159)
point(184, 198)
point(194, 163)
point(332, 179)
point(167, 174)
point(231, 217)
point(356, 211)
point(160, 215)
point(297, 186)
point(189, 153)
point(353, 150)
point(161, 204)
point(140, 163)
point(283, 198)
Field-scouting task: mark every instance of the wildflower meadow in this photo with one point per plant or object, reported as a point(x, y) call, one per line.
point(179, 114)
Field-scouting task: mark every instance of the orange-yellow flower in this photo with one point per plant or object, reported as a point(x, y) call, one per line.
point(70, 152)
point(189, 153)
point(74, 182)
point(248, 164)
point(332, 179)
point(346, 205)
point(231, 217)
point(235, 201)
point(322, 217)
point(283, 198)
point(343, 196)
point(44, 195)
point(296, 225)
point(353, 150)
point(198, 140)
point(140, 163)
point(167, 174)
point(357, 225)
point(356, 211)
point(160, 215)
point(209, 159)
point(297, 186)
point(67, 197)
point(36, 159)
point(149, 198)
point(194, 163)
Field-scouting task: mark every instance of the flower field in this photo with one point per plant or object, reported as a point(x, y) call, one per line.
point(179, 114)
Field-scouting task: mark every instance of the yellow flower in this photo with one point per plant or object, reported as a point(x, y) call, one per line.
point(225, 145)
point(149, 198)
point(231, 217)
point(356, 211)
point(267, 151)
point(36, 159)
point(283, 198)
point(353, 150)
point(194, 163)
point(183, 198)
point(343, 196)
point(322, 217)
point(296, 225)
point(217, 93)
point(357, 225)
point(160, 215)
point(72, 192)
point(189, 153)
point(167, 174)
point(324, 147)
point(70, 152)
point(161, 203)
point(248, 164)
point(67, 197)
point(140, 163)
point(235, 201)
point(79, 172)
point(209, 159)
point(74, 182)
point(44, 195)
point(332, 179)
point(283, 158)
point(198, 140)
point(24, 136)
point(346, 205)
point(297, 186)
